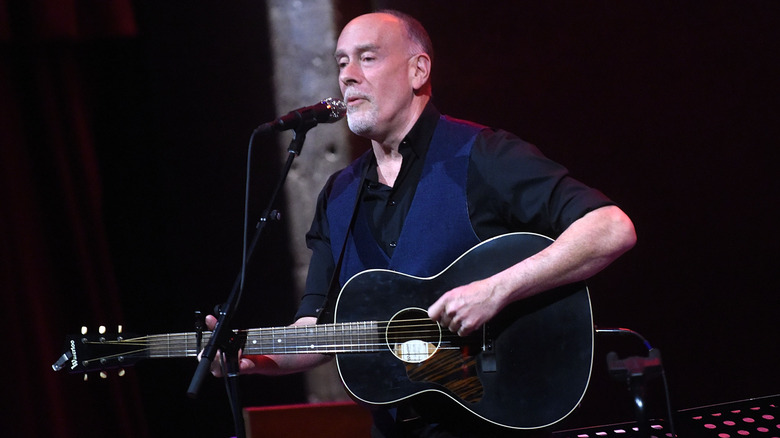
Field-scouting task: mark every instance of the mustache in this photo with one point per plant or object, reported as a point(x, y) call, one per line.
point(352, 93)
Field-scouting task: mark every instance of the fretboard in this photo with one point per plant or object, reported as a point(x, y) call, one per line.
point(350, 337)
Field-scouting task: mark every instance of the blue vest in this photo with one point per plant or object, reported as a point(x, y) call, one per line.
point(437, 228)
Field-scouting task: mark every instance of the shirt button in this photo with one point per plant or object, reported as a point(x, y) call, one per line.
point(393, 244)
point(392, 203)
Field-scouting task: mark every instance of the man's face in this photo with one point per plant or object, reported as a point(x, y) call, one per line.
point(373, 54)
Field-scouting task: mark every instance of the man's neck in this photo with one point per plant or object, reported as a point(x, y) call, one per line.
point(387, 146)
point(388, 163)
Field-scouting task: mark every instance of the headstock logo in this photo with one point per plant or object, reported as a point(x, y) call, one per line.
point(74, 361)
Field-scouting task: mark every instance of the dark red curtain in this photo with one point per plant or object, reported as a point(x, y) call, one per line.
point(55, 257)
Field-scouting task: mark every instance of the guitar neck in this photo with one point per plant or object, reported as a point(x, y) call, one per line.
point(352, 337)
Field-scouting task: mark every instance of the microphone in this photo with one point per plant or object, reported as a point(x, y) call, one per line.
point(327, 111)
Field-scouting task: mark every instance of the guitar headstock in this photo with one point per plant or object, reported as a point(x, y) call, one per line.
point(101, 352)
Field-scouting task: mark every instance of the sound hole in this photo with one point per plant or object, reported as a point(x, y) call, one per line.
point(412, 336)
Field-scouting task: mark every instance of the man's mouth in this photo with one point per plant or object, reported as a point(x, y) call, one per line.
point(354, 99)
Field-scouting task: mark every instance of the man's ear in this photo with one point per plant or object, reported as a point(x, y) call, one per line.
point(420, 71)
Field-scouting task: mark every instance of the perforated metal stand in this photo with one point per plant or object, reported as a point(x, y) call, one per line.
point(755, 417)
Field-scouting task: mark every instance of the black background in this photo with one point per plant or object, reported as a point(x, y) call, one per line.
point(668, 107)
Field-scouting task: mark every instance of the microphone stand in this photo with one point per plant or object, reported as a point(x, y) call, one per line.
point(229, 341)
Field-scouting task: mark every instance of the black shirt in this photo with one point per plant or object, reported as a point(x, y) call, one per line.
point(511, 186)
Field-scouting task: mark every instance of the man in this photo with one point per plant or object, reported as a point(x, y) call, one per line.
point(416, 219)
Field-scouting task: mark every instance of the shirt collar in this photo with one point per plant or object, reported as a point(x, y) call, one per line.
point(419, 137)
point(415, 144)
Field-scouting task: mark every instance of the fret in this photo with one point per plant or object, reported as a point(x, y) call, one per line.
point(254, 339)
point(190, 344)
point(363, 337)
point(330, 338)
point(362, 342)
point(355, 339)
point(372, 340)
point(278, 343)
point(251, 340)
point(322, 339)
point(308, 341)
point(346, 342)
point(279, 339)
point(317, 338)
point(369, 340)
point(301, 334)
point(337, 339)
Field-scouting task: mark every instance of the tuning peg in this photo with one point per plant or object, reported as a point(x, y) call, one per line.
point(84, 330)
point(119, 329)
point(102, 330)
point(103, 375)
point(121, 372)
point(86, 377)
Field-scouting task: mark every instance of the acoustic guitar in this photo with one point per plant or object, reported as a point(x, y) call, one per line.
point(527, 368)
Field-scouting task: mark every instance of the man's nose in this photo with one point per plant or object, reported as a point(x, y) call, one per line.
point(349, 74)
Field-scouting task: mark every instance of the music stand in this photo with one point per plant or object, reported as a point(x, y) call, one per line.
point(756, 417)
point(657, 429)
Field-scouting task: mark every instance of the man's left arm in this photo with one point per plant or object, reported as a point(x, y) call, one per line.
point(586, 247)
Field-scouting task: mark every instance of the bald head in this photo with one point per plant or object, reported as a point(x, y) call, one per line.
point(418, 36)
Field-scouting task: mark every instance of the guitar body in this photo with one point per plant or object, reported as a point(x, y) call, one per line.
point(528, 368)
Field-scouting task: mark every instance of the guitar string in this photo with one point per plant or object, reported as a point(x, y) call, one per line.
point(370, 331)
point(307, 332)
point(293, 332)
point(320, 342)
